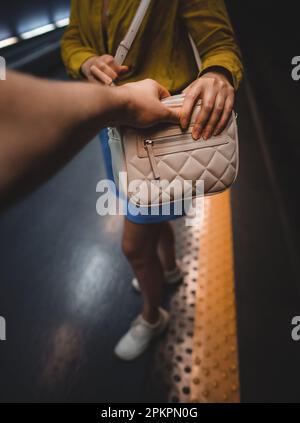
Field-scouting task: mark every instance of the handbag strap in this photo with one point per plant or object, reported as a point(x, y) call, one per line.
point(196, 53)
point(126, 44)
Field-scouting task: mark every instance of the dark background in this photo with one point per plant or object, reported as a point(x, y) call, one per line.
point(269, 37)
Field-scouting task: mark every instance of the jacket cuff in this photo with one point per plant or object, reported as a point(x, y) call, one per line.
point(218, 69)
point(230, 67)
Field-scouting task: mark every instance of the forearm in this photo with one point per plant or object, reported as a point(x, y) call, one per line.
point(43, 124)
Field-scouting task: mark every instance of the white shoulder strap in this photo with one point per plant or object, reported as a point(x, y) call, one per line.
point(196, 53)
point(125, 45)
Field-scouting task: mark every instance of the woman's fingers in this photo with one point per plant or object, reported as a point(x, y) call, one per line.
point(190, 99)
point(103, 69)
point(215, 116)
point(99, 66)
point(207, 107)
point(225, 116)
point(217, 95)
point(100, 75)
point(112, 64)
point(107, 70)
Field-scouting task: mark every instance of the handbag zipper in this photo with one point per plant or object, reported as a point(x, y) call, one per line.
point(149, 149)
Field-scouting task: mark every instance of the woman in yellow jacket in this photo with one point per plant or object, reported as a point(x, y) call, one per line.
point(161, 51)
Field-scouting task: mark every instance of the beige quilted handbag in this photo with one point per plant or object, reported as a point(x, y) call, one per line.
point(162, 162)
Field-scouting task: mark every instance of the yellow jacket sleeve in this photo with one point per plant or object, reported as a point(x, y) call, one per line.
point(209, 25)
point(74, 51)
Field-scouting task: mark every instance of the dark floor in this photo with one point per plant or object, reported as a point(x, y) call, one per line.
point(65, 294)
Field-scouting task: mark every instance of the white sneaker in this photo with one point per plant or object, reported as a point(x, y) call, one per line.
point(172, 277)
point(140, 335)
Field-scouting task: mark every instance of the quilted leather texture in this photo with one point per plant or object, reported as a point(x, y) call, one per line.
point(216, 165)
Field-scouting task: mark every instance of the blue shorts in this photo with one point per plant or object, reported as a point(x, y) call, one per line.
point(132, 212)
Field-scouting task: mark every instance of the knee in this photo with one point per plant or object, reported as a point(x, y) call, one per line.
point(130, 250)
point(136, 254)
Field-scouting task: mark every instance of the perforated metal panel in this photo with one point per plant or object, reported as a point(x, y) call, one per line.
point(197, 361)
point(174, 357)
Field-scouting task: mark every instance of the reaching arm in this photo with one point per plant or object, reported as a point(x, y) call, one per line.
point(43, 124)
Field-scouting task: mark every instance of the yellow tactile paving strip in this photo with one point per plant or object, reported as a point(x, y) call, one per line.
point(215, 376)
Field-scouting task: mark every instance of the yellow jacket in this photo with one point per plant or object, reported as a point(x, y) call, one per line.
point(161, 49)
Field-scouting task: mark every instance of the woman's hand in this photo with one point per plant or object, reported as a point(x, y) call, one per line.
point(102, 69)
point(217, 95)
point(142, 105)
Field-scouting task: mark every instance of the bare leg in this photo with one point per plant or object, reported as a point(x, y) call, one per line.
point(167, 247)
point(140, 245)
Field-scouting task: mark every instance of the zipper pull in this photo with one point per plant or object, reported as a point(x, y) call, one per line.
point(149, 149)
